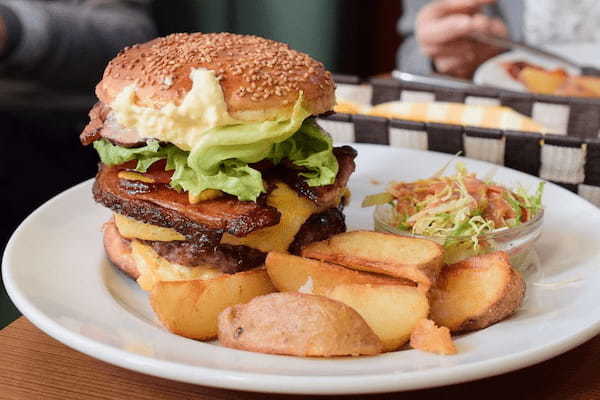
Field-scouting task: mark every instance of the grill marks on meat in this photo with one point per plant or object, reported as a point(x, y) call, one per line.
point(327, 195)
point(318, 227)
point(103, 125)
point(228, 258)
point(204, 222)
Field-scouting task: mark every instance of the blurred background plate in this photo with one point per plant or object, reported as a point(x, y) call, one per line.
point(491, 72)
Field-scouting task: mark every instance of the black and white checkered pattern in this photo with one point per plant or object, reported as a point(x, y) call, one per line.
point(570, 157)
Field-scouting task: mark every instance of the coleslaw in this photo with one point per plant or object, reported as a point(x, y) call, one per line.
point(459, 210)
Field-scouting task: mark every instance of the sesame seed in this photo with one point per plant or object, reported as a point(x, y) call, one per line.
point(254, 67)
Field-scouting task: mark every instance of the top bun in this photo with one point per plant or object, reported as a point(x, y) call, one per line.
point(261, 79)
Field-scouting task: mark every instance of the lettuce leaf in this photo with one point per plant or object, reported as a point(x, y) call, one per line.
point(310, 148)
point(249, 142)
point(225, 167)
point(112, 155)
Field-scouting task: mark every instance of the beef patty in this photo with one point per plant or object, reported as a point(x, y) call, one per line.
point(228, 258)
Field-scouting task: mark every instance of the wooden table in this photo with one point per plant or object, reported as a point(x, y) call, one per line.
point(35, 366)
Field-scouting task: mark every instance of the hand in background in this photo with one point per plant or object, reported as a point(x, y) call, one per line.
point(442, 31)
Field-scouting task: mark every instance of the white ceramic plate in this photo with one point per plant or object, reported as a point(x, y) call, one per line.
point(55, 271)
point(491, 72)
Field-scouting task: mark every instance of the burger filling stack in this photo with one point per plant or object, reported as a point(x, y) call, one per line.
point(210, 156)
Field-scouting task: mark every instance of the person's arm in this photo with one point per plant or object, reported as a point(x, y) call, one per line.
point(409, 57)
point(67, 44)
point(437, 36)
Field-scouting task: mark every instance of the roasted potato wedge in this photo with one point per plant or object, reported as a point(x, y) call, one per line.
point(476, 293)
point(432, 339)
point(392, 311)
point(416, 259)
point(297, 324)
point(190, 308)
point(542, 81)
point(291, 273)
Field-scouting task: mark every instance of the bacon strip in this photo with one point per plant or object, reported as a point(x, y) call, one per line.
point(103, 125)
point(328, 195)
point(205, 221)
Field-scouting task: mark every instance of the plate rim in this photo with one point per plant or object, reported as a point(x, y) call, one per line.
point(290, 384)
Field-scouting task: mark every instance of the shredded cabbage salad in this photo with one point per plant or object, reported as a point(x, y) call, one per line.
point(458, 208)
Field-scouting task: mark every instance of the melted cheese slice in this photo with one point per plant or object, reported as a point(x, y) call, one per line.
point(133, 229)
point(294, 209)
point(153, 268)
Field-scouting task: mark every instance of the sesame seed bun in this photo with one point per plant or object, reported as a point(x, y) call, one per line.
point(261, 79)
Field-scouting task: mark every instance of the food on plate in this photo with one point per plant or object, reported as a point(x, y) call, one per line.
point(190, 307)
point(476, 293)
point(426, 336)
point(558, 81)
point(210, 160)
point(293, 273)
point(468, 215)
point(419, 260)
point(211, 156)
point(586, 85)
point(392, 311)
point(297, 324)
point(542, 81)
point(466, 296)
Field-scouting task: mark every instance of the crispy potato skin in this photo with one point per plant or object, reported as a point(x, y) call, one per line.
point(476, 293)
point(430, 338)
point(416, 259)
point(297, 324)
point(290, 273)
point(190, 307)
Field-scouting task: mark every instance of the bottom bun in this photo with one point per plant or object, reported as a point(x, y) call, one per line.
point(143, 264)
point(118, 250)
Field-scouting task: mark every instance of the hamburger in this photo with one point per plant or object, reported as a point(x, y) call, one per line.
point(211, 156)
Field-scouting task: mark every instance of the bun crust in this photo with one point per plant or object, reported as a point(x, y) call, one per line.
point(118, 250)
point(260, 78)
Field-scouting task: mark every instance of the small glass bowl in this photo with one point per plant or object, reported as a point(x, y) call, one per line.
point(518, 242)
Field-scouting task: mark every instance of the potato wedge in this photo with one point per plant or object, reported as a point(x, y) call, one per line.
point(291, 273)
point(297, 324)
point(542, 81)
point(392, 311)
point(416, 259)
point(432, 339)
point(190, 308)
point(476, 293)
